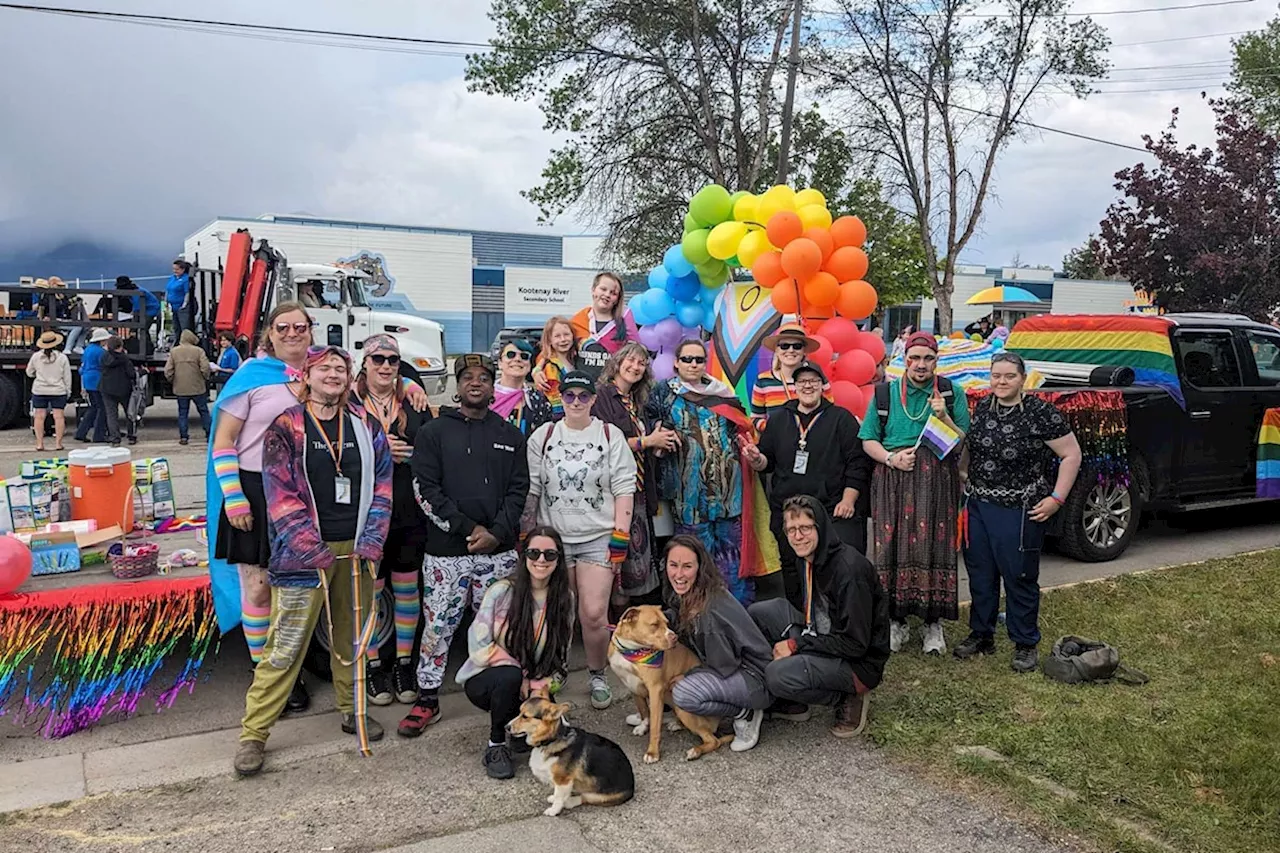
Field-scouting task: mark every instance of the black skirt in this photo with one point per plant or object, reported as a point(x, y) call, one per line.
point(251, 547)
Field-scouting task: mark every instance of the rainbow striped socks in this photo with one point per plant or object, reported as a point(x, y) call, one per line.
point(404, 588)
point(255, 621)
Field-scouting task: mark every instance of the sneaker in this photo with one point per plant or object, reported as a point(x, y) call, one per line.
point(518, 745)
point(249, 755)
point(601, 695)
point(404, 681)
point(497, 762)
point(378, 684)
point(973, 646)
point(133, 439)
point(184, 441)
point(746, 731)
point(299, 699)
point(851, 715)
point(899, 633)
point(372, 727)
point(419, 717)
point(1025, 659)
point(934, 643)
point(796, 712)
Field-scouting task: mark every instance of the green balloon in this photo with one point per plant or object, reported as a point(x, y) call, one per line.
point(712, 277)
point(690, 224)
point(694, 247)
point(709, 267)
point(733, 262)
point(711, 205)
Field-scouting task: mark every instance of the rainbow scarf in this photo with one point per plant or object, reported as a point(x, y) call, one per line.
point(1136, 341)
point(638, 655)
point(1269, 455)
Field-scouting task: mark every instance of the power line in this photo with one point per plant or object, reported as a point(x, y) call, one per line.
point(1182, 38)
point(1093, 14)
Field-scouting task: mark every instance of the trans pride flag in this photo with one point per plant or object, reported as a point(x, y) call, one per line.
point(1269, 455)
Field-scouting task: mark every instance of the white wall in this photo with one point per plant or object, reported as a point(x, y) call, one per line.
point(1091, 297)
point(532, 294)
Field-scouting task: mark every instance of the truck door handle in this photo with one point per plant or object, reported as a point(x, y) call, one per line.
point(1201, 415)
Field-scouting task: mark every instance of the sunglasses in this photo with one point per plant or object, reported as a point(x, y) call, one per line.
point(379, 360)
point(515, 353)
point(693, 359)
point(298, 328)
point(576, 396)
point(549, 555)
point(790, 345)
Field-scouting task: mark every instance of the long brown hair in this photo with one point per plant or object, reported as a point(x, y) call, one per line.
point(545, 352)
point(640, 391)
point(706, 584)
point(362, 391)
point(264, 340)
point(520, 640)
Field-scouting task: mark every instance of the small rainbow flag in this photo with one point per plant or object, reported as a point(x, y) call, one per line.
point(1269, 455)
point(939, 437)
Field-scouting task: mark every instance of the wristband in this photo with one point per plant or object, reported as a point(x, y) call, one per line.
point(619, 544)
point(1054, 495)
point(888, 460)
point(226, 467)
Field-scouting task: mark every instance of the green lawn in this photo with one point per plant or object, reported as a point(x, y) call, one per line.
point(1193, 758)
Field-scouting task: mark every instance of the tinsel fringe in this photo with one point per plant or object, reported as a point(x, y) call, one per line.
point(70, 657)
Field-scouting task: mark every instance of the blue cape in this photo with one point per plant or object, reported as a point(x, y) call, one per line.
point(224, 577)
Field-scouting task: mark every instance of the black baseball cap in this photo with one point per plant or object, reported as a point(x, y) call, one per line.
point(809, 367)
point(578, 379)
point(473, 359)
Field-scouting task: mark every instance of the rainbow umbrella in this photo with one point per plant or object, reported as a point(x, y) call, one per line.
point(1001, 293)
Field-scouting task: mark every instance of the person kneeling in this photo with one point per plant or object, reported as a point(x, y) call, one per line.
point(716, 627)
point(518, 644)
point(834, 652)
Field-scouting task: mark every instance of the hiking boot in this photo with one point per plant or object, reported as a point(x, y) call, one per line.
point(851, 715)
point(782, 709)
point(974, 645)
point(377, 684)
point(601, 695)
point(372, 727)
point(299, 699)
point(249, 755)
point(1025, 659)
point(497, 762)
point(746, 731)
point(899, 633)
point(419, 717)
point(934, 643)
point(404, 681)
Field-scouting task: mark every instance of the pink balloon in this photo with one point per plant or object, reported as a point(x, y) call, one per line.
point(854, 366)
point(823, 354)
point(873, 344)
point(848, 396)
point(664, 366)
point(843, 333)
point(15, 563)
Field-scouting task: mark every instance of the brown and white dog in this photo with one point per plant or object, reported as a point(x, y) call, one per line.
point(647, 657)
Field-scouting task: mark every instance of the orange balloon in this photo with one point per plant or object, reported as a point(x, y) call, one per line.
point(784, 226)
point(784, 296)
point(821, 290)
point(847, 263)
point(801, 259)
point(821, 236)
point(848, 231)
point(819, 314)
point(767, 270)
point(857, 299)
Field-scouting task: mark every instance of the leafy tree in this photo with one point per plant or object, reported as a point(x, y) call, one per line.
point(936, 89)
point(1201, 229)
point(1083, 262)
point(1255, 59)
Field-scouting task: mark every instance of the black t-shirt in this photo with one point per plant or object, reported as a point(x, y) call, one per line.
point(337, 521)
point(1008, 458)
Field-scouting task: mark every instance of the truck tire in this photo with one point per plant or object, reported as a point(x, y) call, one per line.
point(1099, 518)
point(317, 657)
point(10, 400)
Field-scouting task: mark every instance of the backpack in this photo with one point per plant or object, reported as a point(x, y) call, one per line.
point(945, 390)
point(1076, 660)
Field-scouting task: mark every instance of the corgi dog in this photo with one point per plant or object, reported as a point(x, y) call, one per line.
point(646, 656)
point(580, 766)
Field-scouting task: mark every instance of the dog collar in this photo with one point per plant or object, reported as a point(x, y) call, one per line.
point(639, 655)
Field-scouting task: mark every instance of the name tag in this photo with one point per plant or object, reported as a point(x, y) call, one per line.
point(342, 490)
point(801, 465)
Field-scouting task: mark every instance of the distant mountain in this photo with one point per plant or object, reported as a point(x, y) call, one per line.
point(84, 260)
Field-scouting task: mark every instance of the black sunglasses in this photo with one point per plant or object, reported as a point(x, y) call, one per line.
point(516, 353)
point(379, 360)
point(693, 359)
point(790, 345)
point(550, 555)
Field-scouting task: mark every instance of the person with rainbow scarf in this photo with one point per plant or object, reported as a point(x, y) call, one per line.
point(524, 408)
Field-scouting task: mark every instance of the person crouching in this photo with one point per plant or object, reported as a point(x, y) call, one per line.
point(327, 478)
point(834, 652)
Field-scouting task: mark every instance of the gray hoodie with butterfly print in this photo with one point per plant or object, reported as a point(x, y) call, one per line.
point(575, 475)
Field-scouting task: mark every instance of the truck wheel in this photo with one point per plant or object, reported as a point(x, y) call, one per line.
point(10, 401)
point(1100, 519)
point(317, 658)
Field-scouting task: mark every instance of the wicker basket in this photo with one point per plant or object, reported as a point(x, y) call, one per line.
point(130, 562)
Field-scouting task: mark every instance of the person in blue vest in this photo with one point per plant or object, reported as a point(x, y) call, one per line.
point(177, 293)
point(95, 416)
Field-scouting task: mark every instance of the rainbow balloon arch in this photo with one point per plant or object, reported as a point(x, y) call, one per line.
point(801, 262)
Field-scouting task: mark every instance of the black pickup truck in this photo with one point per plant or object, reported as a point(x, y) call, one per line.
point(1197, 452)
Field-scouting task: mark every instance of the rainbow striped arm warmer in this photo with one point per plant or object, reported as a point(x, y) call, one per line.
point(226, 467)
point(619, 543)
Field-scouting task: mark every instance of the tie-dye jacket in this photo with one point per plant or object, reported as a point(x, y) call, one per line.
point(297, 549)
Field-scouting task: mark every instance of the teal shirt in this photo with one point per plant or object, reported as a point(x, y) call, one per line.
point(902, 431)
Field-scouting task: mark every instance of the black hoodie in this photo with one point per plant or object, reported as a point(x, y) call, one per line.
point(836, 458)
point(847, 591)
point(468, 472)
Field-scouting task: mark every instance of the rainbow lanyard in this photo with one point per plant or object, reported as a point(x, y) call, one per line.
point(336, 455)
point(804, 430)
point(639, 655)
point(808, 593)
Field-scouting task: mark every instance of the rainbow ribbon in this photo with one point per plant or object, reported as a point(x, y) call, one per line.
point(1269, 455)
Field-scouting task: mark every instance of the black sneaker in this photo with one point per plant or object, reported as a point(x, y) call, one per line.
point(796, 712)
point(299, 699)
point(497, 762)
point(518, 744)
point(184, 441)
point(974, 645)
point(404, 681)
point(377, 683)
point(1025, 659)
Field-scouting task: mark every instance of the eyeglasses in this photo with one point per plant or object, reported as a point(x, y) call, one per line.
point(810, 382)
point(785, 345)
point(801, 529)
point(298, 328)
point(576, 396)
point(379, 360)
point(547, 555)
point(516, 353)
point(693, 359)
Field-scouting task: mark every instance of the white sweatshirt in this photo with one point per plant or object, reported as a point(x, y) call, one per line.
point(52, 378)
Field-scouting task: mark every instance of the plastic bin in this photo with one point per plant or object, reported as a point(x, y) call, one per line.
point(102, 486)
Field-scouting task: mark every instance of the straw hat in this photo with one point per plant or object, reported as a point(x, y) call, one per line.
point(40, 282)
point(49, 340)
point(791, 332)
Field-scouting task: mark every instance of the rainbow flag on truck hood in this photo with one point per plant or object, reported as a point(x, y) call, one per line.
point(1269, 455)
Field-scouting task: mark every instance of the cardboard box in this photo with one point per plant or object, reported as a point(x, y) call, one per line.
point(54, 553)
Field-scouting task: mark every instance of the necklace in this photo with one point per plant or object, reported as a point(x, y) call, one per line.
point(924, 410)
point(1003, 411)
point(383, 407)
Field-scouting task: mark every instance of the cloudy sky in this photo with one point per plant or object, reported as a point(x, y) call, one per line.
point(138, 135)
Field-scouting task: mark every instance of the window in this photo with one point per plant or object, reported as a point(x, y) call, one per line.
point(1266, 354)
point(1208, 359)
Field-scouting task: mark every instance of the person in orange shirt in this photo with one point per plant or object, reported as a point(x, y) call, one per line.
point(603, 326)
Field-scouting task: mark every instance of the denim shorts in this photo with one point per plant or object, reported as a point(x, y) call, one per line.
point(48, 401)
point(592, 551)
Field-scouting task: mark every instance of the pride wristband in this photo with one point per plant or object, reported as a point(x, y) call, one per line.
point(619, 544)
point(226, 467)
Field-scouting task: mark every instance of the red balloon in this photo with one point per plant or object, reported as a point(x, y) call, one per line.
point(847, 396)
point(767, 270)
point(821, 290)
point(15, 563)
point(822, 237)
point(801, 259)
point(872, 343)
point(842, 333)
point(855, 366)
point(847, 263)
point(857, 300)
point(823, 354)
point(868, 396)
point(784, 296)
point(783, 227)
point(849, 231)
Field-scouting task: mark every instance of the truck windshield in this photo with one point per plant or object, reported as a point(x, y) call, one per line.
point(355, 293)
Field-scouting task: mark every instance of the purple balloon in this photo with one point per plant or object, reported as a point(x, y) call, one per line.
point(669, 331)
point(694, 332)
point(664, 366)
point(650, 338)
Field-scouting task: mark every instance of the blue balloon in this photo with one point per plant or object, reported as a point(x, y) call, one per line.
point(690, 314)
point(658, 278)
point(639, 308)
point(709, 296)
point(676, 263)
point(997, 343)
point(709, 321)
point(659, 304)
point(684, 289)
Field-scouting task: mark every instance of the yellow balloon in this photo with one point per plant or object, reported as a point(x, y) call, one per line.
point(804, 198)
point(814, 216)
point(744, 210)
point(755, 244)
point(775, 200)
point(723, 240)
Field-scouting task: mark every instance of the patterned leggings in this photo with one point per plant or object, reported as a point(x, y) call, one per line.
point(449, 586)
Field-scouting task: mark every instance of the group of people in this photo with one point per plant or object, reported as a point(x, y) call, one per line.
point(562, 488)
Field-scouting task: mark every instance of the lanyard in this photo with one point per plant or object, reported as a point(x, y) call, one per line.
point(385, 412)
point(335, 455)
point(808, 593)
point(804, 430)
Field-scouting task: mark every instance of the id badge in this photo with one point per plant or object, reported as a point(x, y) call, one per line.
point(802, 462)
point(342, 490)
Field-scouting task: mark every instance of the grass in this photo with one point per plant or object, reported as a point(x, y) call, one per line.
point(1192, 758)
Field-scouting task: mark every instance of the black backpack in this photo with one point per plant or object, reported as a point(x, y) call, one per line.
point(945, 389)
